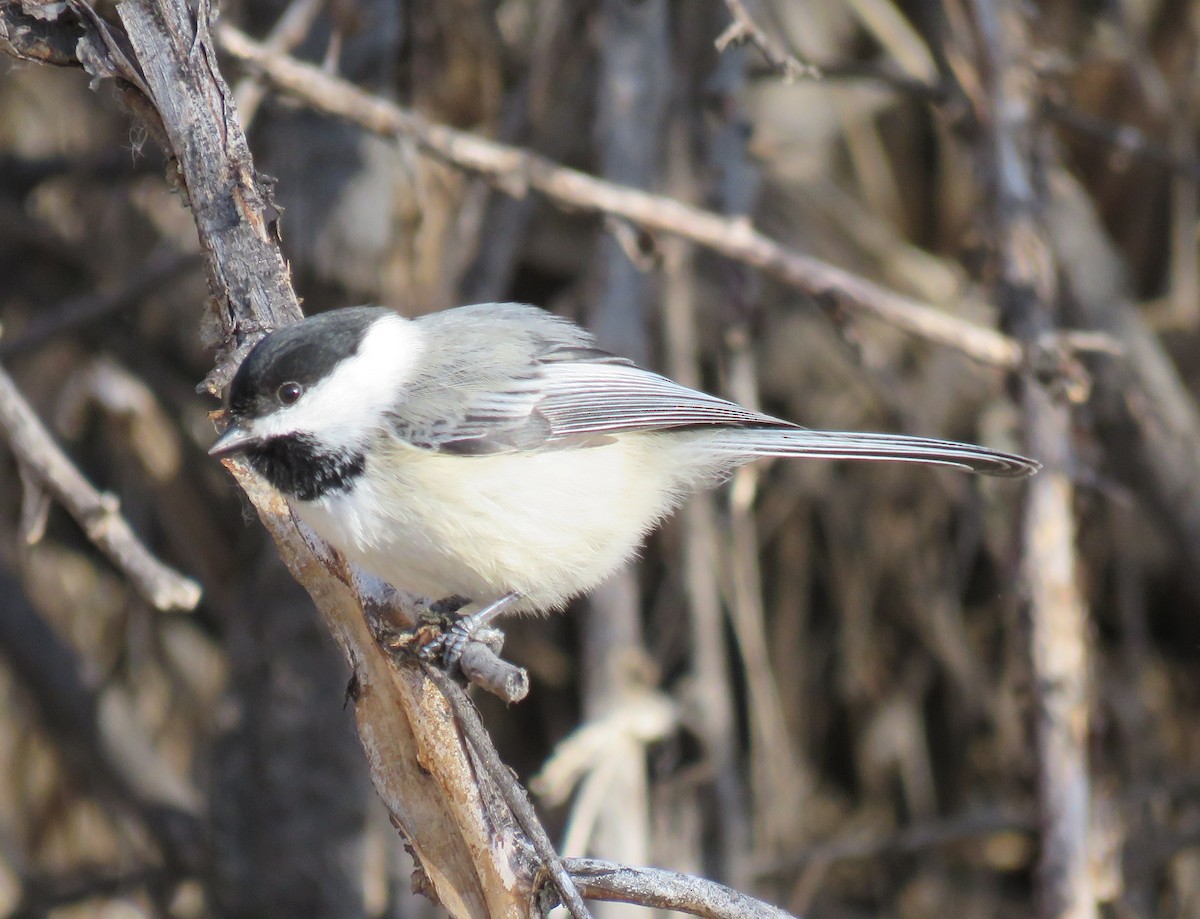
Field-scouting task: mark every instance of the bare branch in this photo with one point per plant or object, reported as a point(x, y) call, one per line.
point(510, 789)
point(663, 889)
point(485, 669)
point(99, 514)
point(469, 848)
point(247, 278)
point(1026, 290)
point(745, 29)
point(515, 170)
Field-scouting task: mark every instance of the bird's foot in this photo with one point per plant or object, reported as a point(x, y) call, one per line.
point(453, 640)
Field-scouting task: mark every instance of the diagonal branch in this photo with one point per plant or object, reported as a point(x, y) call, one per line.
point(510, 789)
point(98, 514)
point(515, 170)
point(743, 29)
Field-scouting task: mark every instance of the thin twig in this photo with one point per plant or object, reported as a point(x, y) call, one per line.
point(510, 789)
point(515, 170)
point(663, 889)
point(98, 514)
point(744, 29)
point(289, 31)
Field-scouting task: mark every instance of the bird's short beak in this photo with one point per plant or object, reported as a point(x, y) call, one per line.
point(235, 439)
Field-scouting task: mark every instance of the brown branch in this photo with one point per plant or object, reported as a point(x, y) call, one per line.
point(491, 673)
point(98, 514)
point(472, 855)
point(515, 170)
point(247, 278)
point(1012, 154)
point(419, 763)
point(510, 789)
point(743, 29)
point(662, 889)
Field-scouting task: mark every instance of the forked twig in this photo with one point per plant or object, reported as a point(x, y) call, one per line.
point(510, 789)
point(97, 513)
point(744, 29)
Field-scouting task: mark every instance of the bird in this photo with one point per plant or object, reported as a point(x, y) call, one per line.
point(494, 453)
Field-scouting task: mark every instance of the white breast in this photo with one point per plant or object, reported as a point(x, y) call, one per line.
point(550, 524)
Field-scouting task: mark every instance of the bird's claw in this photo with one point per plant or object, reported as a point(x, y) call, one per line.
point(454, 638)
point(449, 646)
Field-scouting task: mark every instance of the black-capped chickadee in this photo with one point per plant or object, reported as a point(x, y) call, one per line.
point(494, 453)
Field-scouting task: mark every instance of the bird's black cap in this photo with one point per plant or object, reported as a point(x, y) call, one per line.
point(303, 353)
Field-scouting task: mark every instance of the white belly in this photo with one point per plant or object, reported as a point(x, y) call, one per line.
point(549, 525)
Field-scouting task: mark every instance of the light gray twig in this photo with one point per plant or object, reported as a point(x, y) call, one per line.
point(745, 29)
point(98, 513)
point(663, 889)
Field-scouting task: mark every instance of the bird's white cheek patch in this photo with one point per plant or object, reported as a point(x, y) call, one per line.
point(346, 407)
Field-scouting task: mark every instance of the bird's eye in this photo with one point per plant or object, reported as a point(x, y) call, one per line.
point(288, 393)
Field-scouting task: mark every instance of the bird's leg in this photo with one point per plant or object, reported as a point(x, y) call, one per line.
point(442, 611)
point(450, 644)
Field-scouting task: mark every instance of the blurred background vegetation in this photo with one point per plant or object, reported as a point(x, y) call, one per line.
point(816, 684)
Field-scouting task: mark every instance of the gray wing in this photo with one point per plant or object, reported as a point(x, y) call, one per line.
point(498, 377)
point(501, 377)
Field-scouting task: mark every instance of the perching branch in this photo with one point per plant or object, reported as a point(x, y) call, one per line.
point(510, 789)
point(166, 65)
point(46, 467)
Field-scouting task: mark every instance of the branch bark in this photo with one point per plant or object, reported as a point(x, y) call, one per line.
point(744, 29)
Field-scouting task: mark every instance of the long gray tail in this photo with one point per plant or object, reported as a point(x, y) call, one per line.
point(893, 448)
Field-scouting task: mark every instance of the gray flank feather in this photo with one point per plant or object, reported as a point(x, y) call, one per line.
point(502, 377)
